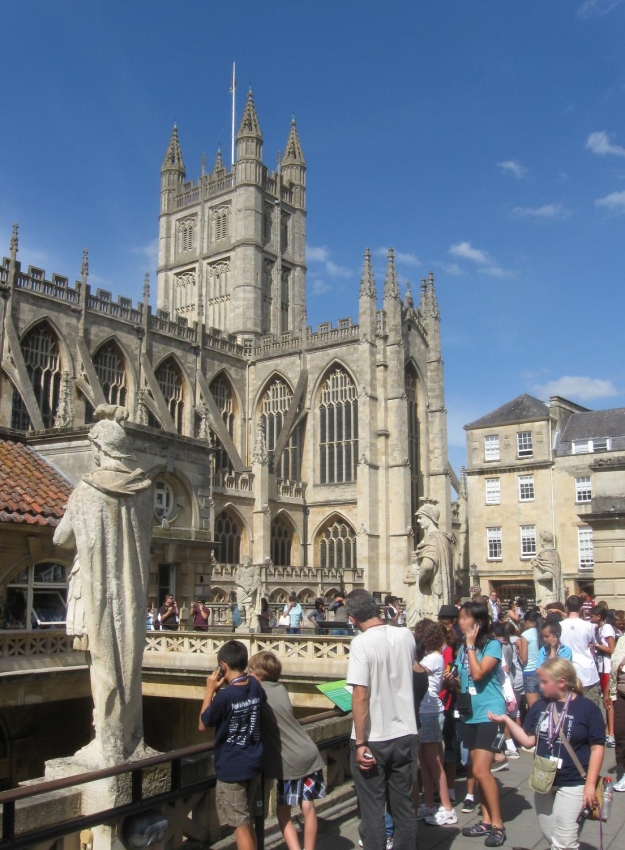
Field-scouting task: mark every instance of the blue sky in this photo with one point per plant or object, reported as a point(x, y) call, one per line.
point(483, 140)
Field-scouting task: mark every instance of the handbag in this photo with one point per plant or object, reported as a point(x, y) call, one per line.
point(543, 774)
point(463, 705)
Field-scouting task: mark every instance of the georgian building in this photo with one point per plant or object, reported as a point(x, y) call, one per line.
point(305, 449)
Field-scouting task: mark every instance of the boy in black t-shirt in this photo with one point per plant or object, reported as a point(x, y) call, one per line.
point(232, 705)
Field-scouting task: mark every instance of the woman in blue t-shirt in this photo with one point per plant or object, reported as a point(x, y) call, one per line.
point(477, 664)
point(529, 644)
point(580, 721)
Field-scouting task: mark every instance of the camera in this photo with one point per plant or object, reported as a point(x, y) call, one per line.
point(584, 814)
point(500, 742)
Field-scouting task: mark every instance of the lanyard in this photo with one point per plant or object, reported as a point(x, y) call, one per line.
point(553, 730)
point(466, 665)
point(238, 679)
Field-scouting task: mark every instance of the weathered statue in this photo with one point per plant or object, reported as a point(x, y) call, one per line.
point(548, 572)
point(108, 522)
point(430, 579)
point(249, 593)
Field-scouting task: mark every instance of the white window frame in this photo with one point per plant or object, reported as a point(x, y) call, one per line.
point(584, 447)
point(524, 444)
point(525, 481)
point(585, 549)
point(491, 448)
point(494, 536)
point(583, 490)
point(492, 494)
point(528, 541)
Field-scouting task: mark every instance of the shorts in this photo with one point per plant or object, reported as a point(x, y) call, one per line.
point(478, 736)
point(531, 682)
point(604, 681)
point(238, 803)
point(292, 792)
point(431, 731)
point(593, 693)
point(450, 739)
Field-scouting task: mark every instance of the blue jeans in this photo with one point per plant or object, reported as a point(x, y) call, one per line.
point(340, 632)
point(293, 631)
point(389, 826)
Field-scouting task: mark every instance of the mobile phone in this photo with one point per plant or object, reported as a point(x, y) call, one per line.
point(222, 673)
point(367, 756)
point(500, 741)
point(584, 815)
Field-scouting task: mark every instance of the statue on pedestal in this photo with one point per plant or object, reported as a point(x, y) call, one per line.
point(249, 594)
point(108, 523)
point(548, 572)
point(430, 576)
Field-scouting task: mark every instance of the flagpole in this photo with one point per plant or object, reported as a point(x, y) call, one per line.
point(233, 90)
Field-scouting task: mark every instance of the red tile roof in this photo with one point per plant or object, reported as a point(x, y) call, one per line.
point(31, 489)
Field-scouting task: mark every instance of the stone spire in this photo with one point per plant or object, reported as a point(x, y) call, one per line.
point(249, 122)
point(65, 412)
point(173, 158)
point(14, 241)
point(367, 282)
point(408, 301)
point(219, 163)
point(422, 301)
point(293, 151)
point(391, 284)
point(146, 287)
point(84, 268)
point(431, 302)
point(203, 165)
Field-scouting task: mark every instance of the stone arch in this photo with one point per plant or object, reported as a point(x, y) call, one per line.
point(231, 549)
point(46, 357)
point(333, 363)
point(112, 368)
point(171, 375)
point(184, 512)
point(278, 596)
point(67, 358)
point(128, 358)
point(271, 410)
point(274, 375)
point(227, 399)
point(218, 595)
point(307, 596)
point(335, 544)
point(282, 540)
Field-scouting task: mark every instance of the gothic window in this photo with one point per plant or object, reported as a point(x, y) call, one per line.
point(221, 225)
point(338, 429)
point(274, 406)
point(285, 222)
point(109, 367)
point(268, 223)
point(281, 540)
point(412, 384)
point(228, 536)
point(41, 355)
point(218, 294)
point(268, 267)
point(185, 235)
point(337, 546)
point(284, 300)
point(222, 393)
point(169, 380)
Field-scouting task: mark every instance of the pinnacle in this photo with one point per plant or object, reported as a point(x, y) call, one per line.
point(84, 269)
point(173, 157)
point(367, 281)
point(14, 241)
point(409, 301)
point(293, 151)
point(249, 122)
point(219, 165)
point(391, 284)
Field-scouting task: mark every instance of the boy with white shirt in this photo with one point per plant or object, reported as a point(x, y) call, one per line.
point(605, 643)
point(579, 636)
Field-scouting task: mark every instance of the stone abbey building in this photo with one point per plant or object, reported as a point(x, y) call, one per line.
point(306, 450)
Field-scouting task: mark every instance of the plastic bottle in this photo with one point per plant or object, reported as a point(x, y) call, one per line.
point(608, 795)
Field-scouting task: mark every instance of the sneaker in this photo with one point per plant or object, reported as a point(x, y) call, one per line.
point(513, 754)
point(609, 741)
point(496, 837)
point(442, 817)
point(620, 785)
point(499, 765)
point(389, 844)
point(424, 811)
point(468, 806)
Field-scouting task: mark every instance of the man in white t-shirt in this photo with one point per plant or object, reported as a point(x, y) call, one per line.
point(579, 636)
point(380, 672)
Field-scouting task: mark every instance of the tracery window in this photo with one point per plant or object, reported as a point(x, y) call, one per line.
point(185, 234)
point(222, 393)
point(274, 406)
point(169, 379)
point(218, 294)
point(284, 300)
point(281, 540)
point(413, 445)
point(40, 351)
point(338, 429)
point(228, 535)
point(337, 546)
point(221, 225)
point(111, 372)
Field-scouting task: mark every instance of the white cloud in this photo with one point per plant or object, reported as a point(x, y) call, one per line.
point(486, 263)
point(317, 254)
point(337, 271)
point(576, 386)
point(450, 268)
point(548, 212)
point(402, 258)
point(597, 7)
point(149, 251)
point(600, 143)
point(513, 167)
point(614, 202)
point(320, 287)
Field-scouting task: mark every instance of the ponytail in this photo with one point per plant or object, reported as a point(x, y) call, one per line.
point(560, 668)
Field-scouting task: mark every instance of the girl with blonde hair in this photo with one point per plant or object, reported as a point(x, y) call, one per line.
point(563, 711)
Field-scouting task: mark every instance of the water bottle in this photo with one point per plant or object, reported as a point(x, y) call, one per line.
point(608, 795)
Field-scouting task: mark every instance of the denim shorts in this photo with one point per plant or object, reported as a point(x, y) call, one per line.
point(531, 682)
point(431, 731)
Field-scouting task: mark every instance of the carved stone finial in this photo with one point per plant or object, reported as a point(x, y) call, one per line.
point(391, 284)
point(367, 281)
point(84, 269)
point(65, 411)
point(260, 454)
point(409, 302)
point(146, 286)
point(14, 241)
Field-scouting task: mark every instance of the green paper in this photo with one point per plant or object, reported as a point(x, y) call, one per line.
point(340, 693)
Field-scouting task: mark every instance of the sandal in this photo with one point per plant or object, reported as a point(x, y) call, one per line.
point(496, 838)
point(478, 830)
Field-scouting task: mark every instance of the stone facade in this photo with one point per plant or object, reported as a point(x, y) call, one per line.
point(307, 450)
point(534, 467)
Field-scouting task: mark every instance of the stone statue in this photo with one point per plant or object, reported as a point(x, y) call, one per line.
point(108, 523)
point(548, 572)
point(249, 593)
point(430, 577)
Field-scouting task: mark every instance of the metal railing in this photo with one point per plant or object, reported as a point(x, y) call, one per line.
point(137, 804)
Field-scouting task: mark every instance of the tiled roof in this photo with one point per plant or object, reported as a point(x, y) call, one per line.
point(595, 423)
point(31, 490)
point(523, 408)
